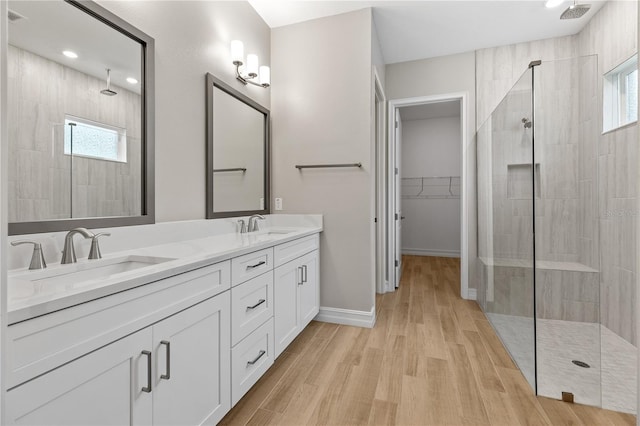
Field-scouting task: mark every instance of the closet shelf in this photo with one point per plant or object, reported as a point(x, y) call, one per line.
point(431, 187)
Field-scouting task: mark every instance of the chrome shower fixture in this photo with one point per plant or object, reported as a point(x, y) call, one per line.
point(575, 11)
point(108, 90)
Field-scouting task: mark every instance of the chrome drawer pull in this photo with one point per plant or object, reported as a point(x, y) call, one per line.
point(168, 365)
point(147, 388)
point(300, 276)
point(260, 302)
point(304, 272)
point(257, 358)
point(256, 265)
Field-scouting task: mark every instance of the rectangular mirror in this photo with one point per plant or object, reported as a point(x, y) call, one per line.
point(237, 153)
point(80, 114)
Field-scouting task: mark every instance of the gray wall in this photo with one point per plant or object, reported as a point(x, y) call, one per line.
point(192, 38)
point(612, 35)
point(41, 186)
point(447, 74)
point(431, 147)
point(321, 113)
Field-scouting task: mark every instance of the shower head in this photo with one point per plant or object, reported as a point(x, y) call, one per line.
point(575, 11)
point(108, 90)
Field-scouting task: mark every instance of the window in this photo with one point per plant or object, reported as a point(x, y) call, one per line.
point(621, 95)
point(94, 140)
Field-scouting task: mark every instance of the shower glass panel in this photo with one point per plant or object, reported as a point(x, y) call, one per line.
point(505, 206)
point(567, 255)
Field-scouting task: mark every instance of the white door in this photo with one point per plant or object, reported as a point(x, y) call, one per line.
point(308, 292)
point(397, 252)
point(104, 387)
point(285, 295)
point(192, 364)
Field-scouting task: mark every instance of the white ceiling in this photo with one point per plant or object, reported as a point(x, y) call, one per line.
point(50, 27)
point(411, 30)
point(431, 110)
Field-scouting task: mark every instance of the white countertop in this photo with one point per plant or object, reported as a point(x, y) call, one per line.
point(28, 299)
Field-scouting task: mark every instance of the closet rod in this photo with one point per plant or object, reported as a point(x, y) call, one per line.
point(322, 166)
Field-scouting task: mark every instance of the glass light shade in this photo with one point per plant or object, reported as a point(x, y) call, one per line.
point(237, 51)
point(265, 75)
point(252, 65)
point(553, 3)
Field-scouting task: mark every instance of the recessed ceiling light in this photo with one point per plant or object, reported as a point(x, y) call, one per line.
point(70, 54)
point(132, 80)
point(553, 3)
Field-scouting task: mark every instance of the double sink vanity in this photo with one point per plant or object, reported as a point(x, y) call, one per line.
point(176, 321)
point(173, 333)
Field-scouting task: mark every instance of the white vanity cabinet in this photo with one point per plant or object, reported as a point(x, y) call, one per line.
point(296, 289)
point(103, 387)
point(180, 350)
point(174, 372)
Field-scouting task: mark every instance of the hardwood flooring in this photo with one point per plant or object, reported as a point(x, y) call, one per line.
point(431, 359)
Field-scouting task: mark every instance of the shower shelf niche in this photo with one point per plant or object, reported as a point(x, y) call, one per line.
point(519, 181)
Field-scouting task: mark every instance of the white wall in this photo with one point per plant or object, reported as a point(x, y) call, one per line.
point(321, 113)
point(435, 76)
point(431, 147)
point(192, 38)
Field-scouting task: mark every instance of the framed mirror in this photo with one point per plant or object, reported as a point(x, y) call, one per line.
point(237, 153)
point(80, 106)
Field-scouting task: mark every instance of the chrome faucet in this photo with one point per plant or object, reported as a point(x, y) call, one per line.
point(253, 222)
point(69, 252)
point(243, 226)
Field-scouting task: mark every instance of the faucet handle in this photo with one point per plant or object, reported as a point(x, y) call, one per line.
point(94, 252)
point(37, 258)
point(243, 226)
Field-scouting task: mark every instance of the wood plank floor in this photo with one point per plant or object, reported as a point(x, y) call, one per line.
point(431, 359)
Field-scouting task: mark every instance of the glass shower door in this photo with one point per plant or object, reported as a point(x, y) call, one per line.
point(567, 230)
point(505, 202)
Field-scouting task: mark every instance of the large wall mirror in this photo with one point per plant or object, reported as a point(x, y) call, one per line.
point(237, 152)
point(80, 116)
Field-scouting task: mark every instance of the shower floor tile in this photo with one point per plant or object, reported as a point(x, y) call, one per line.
point(610, 382)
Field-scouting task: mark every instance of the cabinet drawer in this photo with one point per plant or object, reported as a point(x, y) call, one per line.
point(251, 305)
point(251, 265)
point(250, 359)
point(293, 249)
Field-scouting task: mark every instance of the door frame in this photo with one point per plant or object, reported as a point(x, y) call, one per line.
point(463, 97)
point(379, 155)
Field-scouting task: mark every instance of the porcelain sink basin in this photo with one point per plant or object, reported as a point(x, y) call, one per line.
point(75, 275)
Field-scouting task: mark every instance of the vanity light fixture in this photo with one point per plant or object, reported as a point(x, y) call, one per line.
point(70, 54)
point(252, 69)
point(132, 80)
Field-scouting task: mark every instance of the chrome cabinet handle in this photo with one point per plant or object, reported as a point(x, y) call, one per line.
point(256, 265)
point(147, 388)
point(260, 302)
point(256, 359)
point(168, 363)
point(300, 281)
point(304, 271)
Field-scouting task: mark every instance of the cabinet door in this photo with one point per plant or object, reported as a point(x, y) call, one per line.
point(285, 296)
point(309, 291)
point(103, 387)
point(192, 365)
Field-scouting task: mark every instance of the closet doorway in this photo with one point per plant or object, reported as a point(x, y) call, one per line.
point(427, 138)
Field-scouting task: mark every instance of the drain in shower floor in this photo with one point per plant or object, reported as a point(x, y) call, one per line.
point(581, 364)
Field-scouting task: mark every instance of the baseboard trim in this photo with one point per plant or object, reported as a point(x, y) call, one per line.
point(472, 294)
point(435, 253)
point(347, 317)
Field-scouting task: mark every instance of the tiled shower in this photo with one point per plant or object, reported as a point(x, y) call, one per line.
point(543, 194)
